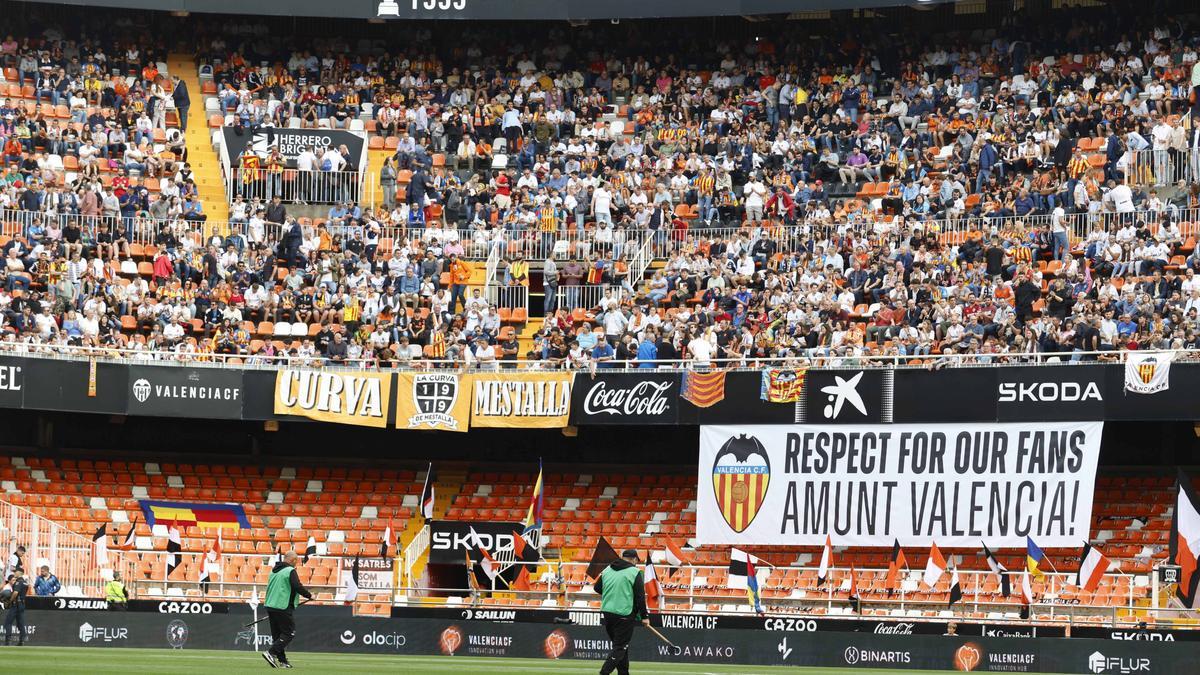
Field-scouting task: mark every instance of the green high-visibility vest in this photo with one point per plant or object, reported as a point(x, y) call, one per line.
point(114, 591)
point(279, 590)
point(616, 596)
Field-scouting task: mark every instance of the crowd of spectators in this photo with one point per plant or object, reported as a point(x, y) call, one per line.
point(979, 193)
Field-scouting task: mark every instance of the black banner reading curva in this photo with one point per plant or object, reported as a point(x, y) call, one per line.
point(172, 391)
point(625, 398)
point(450, 539)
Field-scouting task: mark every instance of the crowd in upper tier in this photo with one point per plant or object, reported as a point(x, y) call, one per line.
point(1030, 188)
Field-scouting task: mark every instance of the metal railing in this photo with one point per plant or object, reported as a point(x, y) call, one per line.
point(1155, 168)
point(589, 297)
point(294, 186)
point(576, 244)
point(819, 358)
point(70, 556)
point(413, 552)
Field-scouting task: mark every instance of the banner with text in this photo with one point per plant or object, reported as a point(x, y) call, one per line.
point(438, 401)
point(342, 397)
point(374, 574)
point(521, 400)
point(868, 485)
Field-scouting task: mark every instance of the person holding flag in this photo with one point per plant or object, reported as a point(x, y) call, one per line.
point(283, 589)
point(622, 590)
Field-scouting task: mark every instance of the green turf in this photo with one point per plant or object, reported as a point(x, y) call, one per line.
point(29, 660)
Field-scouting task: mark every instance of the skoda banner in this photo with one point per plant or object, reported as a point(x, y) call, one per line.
point(450, 539)
point(956, 485)
point(172, 391)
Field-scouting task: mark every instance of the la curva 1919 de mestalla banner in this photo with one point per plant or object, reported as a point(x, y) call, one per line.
point(953, 484)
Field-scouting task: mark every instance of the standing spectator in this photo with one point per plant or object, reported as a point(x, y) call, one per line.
point(46, 583)
point(183, 101)
point(550, 285)
point(16, 606)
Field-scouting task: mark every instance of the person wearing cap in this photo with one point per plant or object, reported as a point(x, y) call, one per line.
point(622, 592)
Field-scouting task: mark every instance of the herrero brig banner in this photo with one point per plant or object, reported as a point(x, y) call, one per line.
point(954, 484)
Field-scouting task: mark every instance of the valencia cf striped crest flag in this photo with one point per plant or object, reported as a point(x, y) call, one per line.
point(1185, 541)
point(893, 570)
point(174, 547)
point(703, 389)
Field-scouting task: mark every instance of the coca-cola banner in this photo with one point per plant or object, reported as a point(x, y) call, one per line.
point(625, 398)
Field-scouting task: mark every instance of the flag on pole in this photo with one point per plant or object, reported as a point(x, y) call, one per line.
point(999, 570)
point(893, 571)
point(130, 539)
point(935, 567)
point(427, 494)
point(602, 557)
point(352, 583)
point(674, 555)
point(854, 599)
point(1033, 557)
point(210, 565)
point(490, 567)
point(533, 518)
point(1026, 589)
point(826, 561)
point(389, 541)
point(310, 548)
point(1185, 541)
point(1092, 566)
point(174, 547)
point(955, 589)
point(742, 574)
point(100, 547)
point(653, 589)
point(523, 554)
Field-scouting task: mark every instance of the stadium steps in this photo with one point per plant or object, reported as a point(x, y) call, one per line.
point(205, 164)
point(446, 489)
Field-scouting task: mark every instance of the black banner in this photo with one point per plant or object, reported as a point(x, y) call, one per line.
point(176, 606)
point(175, 391)
point(450, 540)
point(12, 381)
point(1050, 393)
point(77, 386)
point(625, 398)
point(945, 395)
point(322, 629)
point(847, 397)
point(740, 402)
point(291, 142)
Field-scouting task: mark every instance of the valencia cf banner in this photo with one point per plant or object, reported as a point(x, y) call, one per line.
point(342, 397)
point(521, 400)
point(438, 401)
point(869, 485)
point(780, 385)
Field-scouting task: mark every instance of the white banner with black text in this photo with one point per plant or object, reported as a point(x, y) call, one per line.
point(954, 484)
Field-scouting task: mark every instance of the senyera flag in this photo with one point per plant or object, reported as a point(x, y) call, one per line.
point(1185, 541)
point(193, 514)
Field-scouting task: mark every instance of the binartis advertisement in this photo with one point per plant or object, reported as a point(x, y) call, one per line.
point(341, 397)
point(956, 485)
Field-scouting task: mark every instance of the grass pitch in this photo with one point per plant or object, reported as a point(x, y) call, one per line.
point(57, 660)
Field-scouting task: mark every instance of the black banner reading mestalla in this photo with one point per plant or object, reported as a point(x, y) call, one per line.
point(846, 397)
point(76, 386)
point(450, 540)
point(625, 398)
point(176, 391)
point(291, 142)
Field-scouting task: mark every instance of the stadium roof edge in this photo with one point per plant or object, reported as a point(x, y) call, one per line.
point(499, 9)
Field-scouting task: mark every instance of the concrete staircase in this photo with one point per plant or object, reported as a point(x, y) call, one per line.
point(205, 164)
point(447, 487)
